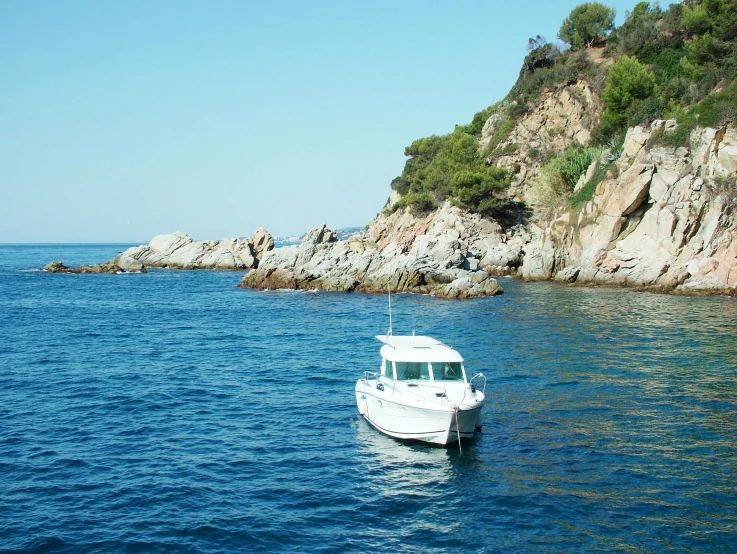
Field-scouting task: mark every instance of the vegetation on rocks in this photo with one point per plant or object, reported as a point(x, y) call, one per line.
point(587, 25)
point(628, 81)
point(560, 175)
point(686, 56)
point(678, 62)
point(450, 166)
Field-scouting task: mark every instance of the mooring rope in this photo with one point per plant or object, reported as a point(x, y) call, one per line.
point(458, 431)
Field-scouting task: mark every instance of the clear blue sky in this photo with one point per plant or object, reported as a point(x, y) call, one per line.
point(123, 120)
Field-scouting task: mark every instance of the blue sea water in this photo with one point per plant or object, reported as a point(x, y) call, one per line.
point(172, 411)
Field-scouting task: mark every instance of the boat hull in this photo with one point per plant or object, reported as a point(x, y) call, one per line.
point(433, 423)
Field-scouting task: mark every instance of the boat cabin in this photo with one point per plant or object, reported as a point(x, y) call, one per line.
point(410, 358)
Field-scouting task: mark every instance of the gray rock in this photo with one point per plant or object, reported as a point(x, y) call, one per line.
point(709, 283)
point(568, 274)
point(432, 266)
point(262, 243)
point(179, 251)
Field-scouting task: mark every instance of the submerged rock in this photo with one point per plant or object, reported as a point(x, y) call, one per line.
point(106, 267)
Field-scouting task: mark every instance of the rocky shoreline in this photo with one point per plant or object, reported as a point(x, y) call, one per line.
point(661, 219)
point(439, 265)
point(179, 251)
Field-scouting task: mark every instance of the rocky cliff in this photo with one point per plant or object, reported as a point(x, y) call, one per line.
point(663, 218)
point(560, 117)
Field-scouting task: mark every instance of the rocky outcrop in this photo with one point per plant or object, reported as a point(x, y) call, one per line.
point(561, 117)
point(179, 251)
point(106, 267)
point(663, 219)
point(435, 262)
point(483, 242)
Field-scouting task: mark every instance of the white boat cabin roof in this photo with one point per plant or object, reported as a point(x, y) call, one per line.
point(399, 348)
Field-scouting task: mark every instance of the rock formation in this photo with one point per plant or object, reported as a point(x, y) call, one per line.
point(106, 267)
point(434, 262)
point(179, 251)
point(560, 118)
point(662, 219)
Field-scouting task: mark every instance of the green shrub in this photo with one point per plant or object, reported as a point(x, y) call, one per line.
point(497, 153)
point(450, 166)
point(724, 18)
point(573, 163)
point(502, 131)
point(546, 191)
point(695, 19)
point(481, 191)
point(586, 192)
point(639, 32)
point(680, 135)
point(540, 54)
point(666, 63)
point(418, 203)
point(479, 120)
point(645, 111)
point(559, 175)
point(718, 109)
point(705, 48)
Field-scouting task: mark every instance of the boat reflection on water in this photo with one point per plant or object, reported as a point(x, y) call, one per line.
point(416, 485)
point(397, 467)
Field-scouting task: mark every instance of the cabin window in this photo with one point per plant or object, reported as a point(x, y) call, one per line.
point(447, 371)
point(412, 370)
point(386, 369)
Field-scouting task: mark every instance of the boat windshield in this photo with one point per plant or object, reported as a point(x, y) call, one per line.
point(412, 370)
point(447, 371)
point(386, 369)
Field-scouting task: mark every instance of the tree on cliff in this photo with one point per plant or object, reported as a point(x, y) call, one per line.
point(482, 191)
point(450, 167)
point(587, 24)
point(540, 53)
point(627, 82)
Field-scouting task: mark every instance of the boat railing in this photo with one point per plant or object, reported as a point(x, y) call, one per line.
point(479, 381)
point(370, 375)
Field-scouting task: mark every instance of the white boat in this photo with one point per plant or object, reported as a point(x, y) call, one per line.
point(421, 392)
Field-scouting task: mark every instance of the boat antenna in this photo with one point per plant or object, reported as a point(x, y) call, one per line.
point(390, 334)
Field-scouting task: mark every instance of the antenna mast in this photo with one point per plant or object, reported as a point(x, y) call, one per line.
point(390, 312)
